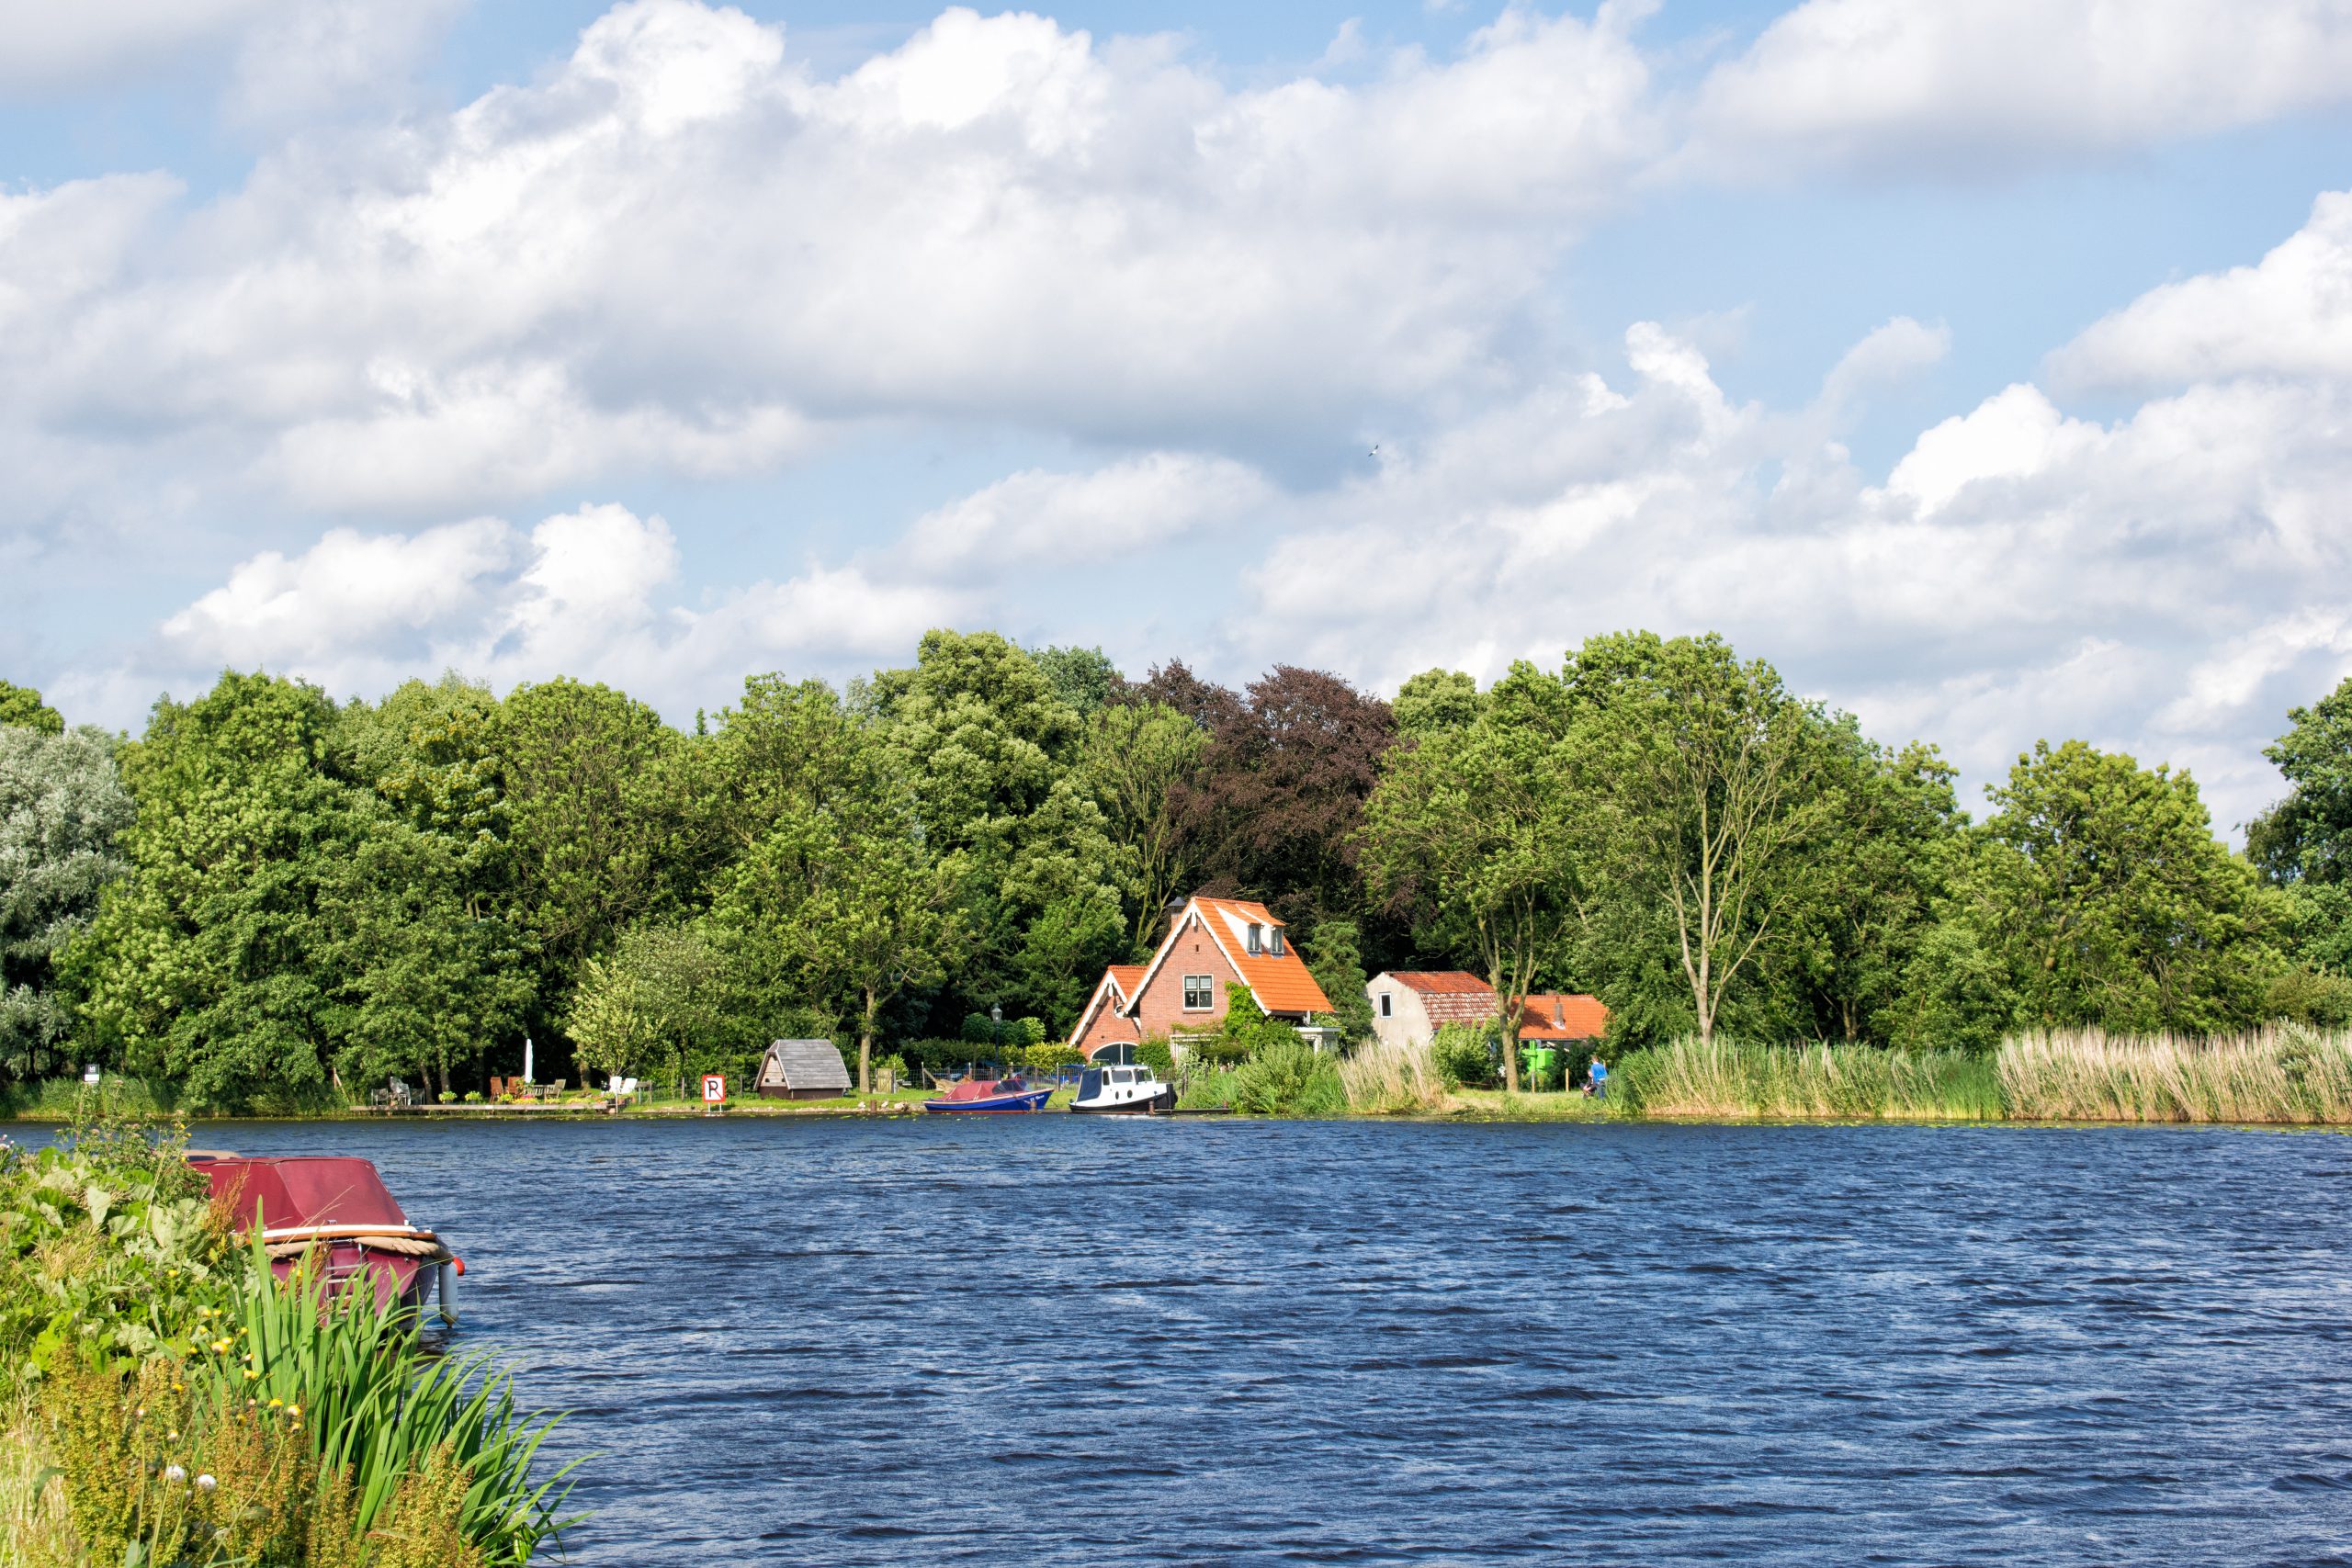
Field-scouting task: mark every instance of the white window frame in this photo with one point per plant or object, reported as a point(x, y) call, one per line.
point(1388, 1004)
point(1257, 942)
point(1275, 943)
point(1208, 993)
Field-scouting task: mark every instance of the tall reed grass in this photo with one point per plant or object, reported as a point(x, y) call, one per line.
point(1729, 1079)
point(2284, 1074)
point(1392, 1078)
point(2287, 1074)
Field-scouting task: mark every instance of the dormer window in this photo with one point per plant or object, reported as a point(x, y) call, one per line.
point(1257, 939)
point(1276, 939)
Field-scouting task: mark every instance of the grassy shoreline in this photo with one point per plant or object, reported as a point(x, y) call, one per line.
point(2284, 1076)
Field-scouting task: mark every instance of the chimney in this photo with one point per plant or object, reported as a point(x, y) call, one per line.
point(1559, 1014)
point(1175, 912)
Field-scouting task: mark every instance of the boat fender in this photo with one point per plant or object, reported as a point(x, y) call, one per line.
point(448, 1290)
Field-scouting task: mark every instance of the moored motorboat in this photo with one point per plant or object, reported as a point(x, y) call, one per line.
point(335, 1211)
point(1123, 1090)
point(984, 1094)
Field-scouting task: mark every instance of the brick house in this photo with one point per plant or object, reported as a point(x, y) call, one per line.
point(1105, 1021)
point(1212, 943)
point(1409, 1006)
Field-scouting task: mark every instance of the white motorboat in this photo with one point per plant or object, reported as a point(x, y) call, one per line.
point(1122, 1089)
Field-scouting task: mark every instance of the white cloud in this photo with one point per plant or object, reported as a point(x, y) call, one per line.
point(2289, 315)
point(682, 249)
point(1884, 84)
point(54, 44)
point(1111, 513)
point(2019, 574)
point(347, 590)
point(321, 59)
point(589, 593)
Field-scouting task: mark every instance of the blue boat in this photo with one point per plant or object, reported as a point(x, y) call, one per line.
point(981, 1095)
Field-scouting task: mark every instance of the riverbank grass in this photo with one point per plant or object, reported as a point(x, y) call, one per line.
point(1726, 1080)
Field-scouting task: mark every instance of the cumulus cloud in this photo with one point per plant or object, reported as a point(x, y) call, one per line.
point(2018, 574)
point(589, 593)
point(1885, 85)
point(2290, 315)
point(1034, 517)
point(682, 248)
point(52, 45)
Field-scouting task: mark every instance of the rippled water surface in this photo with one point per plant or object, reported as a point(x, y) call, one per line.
point(1057, 1341)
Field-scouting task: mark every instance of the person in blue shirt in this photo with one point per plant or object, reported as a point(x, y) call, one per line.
point(1599, 1078)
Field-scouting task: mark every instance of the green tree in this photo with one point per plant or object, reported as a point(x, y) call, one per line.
point(62, 805)
point(658, 991)
point(21, 705)
point(1134, 759)
point(1472, 827)
point(1886, 851)
point(2099, 888)
point(1338, 967)
point(596, 830)
point(209, 964)
point(1083, 677)
point(2304, 842)
point(1707, 788)
point(1437, 699)
point(419, 982)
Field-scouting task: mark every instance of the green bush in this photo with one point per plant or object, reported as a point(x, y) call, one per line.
point(1288, 1077)
point(473, 1097)
point(1050, 1058)
point(1466, 1055)
point(1155, 1053)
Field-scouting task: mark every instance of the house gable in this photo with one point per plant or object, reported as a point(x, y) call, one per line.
point(1279, 982)
point(1104, 1019)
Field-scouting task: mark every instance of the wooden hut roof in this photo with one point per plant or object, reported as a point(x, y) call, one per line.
point(806, 1064)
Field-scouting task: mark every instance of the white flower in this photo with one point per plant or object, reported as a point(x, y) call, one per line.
point(205, 1484)
point(173, 1472)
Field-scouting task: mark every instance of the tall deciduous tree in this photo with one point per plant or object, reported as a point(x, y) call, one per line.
point(62, 806)
point(594, 824)
point(658, 992)
point(1885, 853)
point(209, 964)
point(21, 706)
point(1706, 781)
point(2107, 900)
point(1274, 810)
point(1137, 759)
point(1472, 824)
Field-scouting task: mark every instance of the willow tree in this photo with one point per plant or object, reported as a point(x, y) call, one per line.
point(1471, 826)
point(1703, 786)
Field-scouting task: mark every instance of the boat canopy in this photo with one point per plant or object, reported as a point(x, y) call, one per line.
point(304, 1189)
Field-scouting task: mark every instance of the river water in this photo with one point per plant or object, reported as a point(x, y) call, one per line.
point(1054, 1340)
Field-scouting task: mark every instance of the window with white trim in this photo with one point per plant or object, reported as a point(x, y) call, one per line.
point(1257, 939)
point(1274, 941)
point(1200, 993)
point(1388, 1004)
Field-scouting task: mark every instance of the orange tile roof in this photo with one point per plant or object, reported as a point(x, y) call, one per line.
point(1280, 985)
point(1125, 977)
point(1555, 1016)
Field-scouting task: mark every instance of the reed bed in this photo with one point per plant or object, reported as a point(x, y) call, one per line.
point(2286, 1074)
point(2283, 1074)
point(1732, 1079)
point(1387, 1078)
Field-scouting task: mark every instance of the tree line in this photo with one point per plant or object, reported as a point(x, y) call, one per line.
point(268, 890)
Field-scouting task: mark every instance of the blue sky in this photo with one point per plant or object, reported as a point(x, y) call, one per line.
point(1985, 368)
